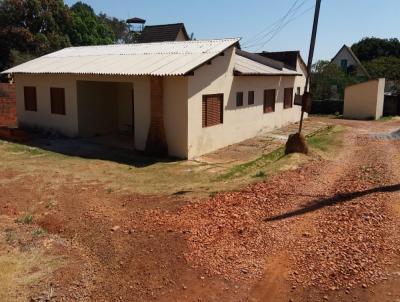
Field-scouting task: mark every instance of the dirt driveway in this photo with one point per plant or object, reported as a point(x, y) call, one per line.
point(328, 230)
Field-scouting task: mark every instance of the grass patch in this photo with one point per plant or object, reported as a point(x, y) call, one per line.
point(388, 118)
point(243, 169)
point(26, 219)
point(9, 236)
point(325, 139)
point(17, 148)
point(50, 205)
point(19, 271)
point(38, 232)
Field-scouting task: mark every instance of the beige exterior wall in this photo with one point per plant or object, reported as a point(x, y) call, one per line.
point(364, 100)
point(176, 115)
point(239, 123)
point(69, 124)
point(42, 118)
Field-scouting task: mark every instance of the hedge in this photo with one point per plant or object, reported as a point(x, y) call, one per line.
point(327, 107)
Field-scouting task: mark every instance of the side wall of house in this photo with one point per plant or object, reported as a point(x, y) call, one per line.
point(239, 123)
point(176, 115)
point(364, 100)
point(42, 118)
point(68, 124)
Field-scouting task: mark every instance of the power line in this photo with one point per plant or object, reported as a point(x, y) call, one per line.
point(282, 27)
point(273, 24)
point(276, 25)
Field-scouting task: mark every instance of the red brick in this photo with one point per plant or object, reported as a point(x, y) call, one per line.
point(156, 143)
point(8, 109)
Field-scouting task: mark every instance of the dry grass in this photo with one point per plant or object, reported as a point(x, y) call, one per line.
point(24, 261)
point(147, 177)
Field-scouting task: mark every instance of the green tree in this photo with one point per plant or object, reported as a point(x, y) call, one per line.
point(120, 28)
point(328, 81)
point(30, 28)
point(371, 48)
point(87, 28)
point(385, 67)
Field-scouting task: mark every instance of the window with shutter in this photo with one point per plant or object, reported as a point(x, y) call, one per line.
point(57, 98)
point(250, 99)
point(30, 99)
point(212, 111)
point(288, 98)
point(269, 100)
point(239, 99)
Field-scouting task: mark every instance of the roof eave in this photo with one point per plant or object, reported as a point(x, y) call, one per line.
point(190, 72)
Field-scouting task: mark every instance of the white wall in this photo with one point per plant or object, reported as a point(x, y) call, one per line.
point(176, 115)
point(238, 123)
point(68, 124)
point(364, 100)
point(42, 118)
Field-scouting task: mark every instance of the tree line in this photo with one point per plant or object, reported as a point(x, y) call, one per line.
point(380, 57)
point(31, 28)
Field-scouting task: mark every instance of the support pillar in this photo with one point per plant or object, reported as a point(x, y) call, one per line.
point(156, 143)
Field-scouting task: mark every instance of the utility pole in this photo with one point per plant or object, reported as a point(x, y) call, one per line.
point(306, 100)
point(296, 141)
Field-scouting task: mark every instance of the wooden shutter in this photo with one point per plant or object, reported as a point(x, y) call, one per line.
point(250, 99)
point(30, 98)
point(57, 96)
point(212, 111)
point(239, 99)
point(269, 100)
point(288, 98)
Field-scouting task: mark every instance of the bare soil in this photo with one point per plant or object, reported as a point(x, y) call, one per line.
point(325, 230)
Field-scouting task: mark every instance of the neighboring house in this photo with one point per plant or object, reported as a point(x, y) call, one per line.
point(347, 60)
point(184, 99)
point(164, 33)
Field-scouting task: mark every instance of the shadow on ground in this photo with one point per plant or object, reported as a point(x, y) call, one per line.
point(336, 199)
point(84, 148)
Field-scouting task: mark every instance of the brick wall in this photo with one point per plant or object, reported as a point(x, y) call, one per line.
point(156, 143)
point(8, 107)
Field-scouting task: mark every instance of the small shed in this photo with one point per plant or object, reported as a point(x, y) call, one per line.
point(364, 100)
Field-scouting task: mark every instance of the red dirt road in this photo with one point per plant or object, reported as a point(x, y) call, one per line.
point(326, 231)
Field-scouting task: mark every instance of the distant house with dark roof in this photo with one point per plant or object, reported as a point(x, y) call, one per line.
point(347, 60)
point(164, 33)
point(290, 59)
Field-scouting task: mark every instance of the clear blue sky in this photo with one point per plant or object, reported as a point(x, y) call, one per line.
point(341, 21)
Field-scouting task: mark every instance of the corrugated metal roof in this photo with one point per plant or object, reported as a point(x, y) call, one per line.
point(246, 66)
point(157, 59)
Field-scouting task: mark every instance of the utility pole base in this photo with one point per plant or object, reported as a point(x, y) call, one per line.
point(296, 144)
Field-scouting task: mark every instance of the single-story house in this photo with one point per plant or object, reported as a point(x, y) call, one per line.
point(183, 98)
point(347, 60)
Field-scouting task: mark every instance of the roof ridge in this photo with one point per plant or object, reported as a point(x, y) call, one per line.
point(148, 43)
point(169, 24)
